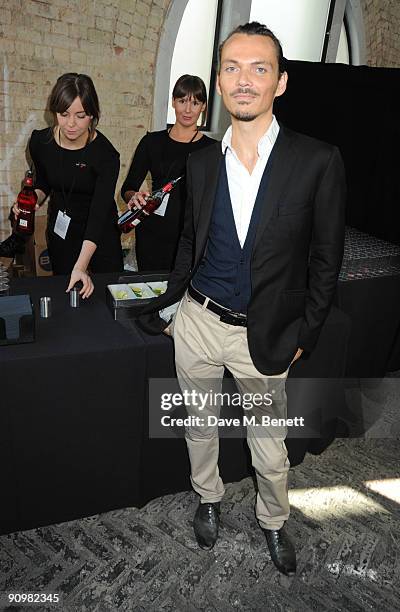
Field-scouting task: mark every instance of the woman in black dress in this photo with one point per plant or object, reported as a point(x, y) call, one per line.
point(78, 168)
point(164, 155)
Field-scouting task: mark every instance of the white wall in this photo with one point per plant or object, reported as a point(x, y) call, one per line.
point(194, 44)
point(342, 56)
point(290, 21)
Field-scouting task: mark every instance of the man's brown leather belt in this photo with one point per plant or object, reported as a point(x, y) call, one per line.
point(225, 315)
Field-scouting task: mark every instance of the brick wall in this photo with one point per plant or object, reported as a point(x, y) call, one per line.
point(382, 27)
point(114, 41)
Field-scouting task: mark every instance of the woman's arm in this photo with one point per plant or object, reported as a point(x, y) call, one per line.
point(79, 272)
point(138, 170)
point(41, 196)
point(41, 184)
point(103, 210)
point(42, 189)
point(102, 216)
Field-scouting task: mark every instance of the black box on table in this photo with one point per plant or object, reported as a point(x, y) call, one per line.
point(17, 320)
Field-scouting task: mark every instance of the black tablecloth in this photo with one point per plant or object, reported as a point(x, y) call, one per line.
point(369, 292)
point(71, 418)
point(373, 305)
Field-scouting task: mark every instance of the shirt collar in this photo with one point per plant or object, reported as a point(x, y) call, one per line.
point(265, 143)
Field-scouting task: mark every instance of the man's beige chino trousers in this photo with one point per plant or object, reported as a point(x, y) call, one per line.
point(203, 346)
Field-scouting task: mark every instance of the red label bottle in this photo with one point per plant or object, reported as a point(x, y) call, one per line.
point(26, 200)
point(131, 218)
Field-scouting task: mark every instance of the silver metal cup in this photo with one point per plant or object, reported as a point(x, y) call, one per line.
point(45, 307)
point(74, 297)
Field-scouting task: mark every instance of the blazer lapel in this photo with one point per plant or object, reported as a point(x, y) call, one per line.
point(205, 180)
point(204, 189)
point(284, 156)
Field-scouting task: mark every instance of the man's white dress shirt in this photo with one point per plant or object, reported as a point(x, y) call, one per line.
point(243, 186)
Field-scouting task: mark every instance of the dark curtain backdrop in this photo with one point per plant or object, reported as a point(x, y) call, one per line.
point(356, 108)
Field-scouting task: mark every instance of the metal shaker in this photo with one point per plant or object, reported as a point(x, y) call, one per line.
point(74, 297)
point(45, 307)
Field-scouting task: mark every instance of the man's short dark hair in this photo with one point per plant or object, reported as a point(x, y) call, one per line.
point(252, 28)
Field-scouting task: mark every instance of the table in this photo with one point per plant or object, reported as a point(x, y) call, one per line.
point(369, 292)
point(70, 426)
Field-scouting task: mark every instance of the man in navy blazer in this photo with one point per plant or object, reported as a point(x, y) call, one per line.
point(255, 273)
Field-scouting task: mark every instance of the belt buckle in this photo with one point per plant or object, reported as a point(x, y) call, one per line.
point(233, 318)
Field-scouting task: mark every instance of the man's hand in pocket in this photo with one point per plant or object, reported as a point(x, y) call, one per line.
point(297, 356)
point(168, 330)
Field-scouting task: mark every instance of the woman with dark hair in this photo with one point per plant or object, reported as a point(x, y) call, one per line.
point(78, 168)
point(164, 155)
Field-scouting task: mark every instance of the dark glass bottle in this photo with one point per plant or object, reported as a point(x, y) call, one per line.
point(26, 200)
point(129, 219)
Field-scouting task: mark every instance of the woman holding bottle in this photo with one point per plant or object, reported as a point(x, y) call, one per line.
point(77, 166)
point(164, 155)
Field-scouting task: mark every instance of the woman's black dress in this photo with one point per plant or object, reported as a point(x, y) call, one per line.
point(157, 237)
point(81, 183)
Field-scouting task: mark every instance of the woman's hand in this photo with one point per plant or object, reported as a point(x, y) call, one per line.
point(87, 283)
point(16, 210)
point(138, 199)
point(168, 331)
point(41, 196)
point(79, 272)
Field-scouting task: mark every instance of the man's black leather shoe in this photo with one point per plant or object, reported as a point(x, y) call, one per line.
point(11, 246)
point(282, 550)
point(206, 525)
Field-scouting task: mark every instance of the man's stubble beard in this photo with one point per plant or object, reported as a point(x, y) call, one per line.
point(243, 116)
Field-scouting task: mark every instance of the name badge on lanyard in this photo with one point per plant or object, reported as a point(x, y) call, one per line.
point(61, 224)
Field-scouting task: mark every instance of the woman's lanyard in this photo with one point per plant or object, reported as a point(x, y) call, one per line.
point(189, 141)
point(63, 219)
point(78, 164)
